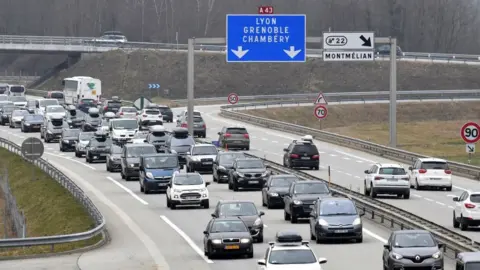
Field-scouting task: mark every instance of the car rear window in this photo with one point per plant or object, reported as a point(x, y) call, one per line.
point(197, 119)
point(129, 109)
point(114, 103)
point(307, 148)
point(237, 131)
point(56, 95)
point(392, 171)
point(475, 198)
point(434, 165)
point(152, 112)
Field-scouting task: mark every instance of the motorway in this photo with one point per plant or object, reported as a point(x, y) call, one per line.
point(147, 235)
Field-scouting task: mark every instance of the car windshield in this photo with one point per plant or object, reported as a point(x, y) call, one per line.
point(9, 109)
point(196, 119)
point(250, 164)
point(129, 110)
point(137, 151)
point(85, 136)
point(113, 103)
point(238, 209)
point(311, 188)
point(102, 141)
point(3, 98)
point(161, 162)
point(152, 112)
point(409, 240)
point(33, 117)
point(434, 165)
point(392, 171)
point(230, 157)
point(183, 141)
point(472, 266)
point(296, 256)
point(71, 133)
point(115, 150)
point(140, 135)
point(186, 180)
point(337, 208)
point(47, 102)
point(18, 99)
point(283, 181)
point(204, 150)
point(55, 109)
point(125, 124)
point(20, 113)
point(220, 226)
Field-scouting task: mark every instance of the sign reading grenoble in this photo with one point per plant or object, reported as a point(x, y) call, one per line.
point(348, 56)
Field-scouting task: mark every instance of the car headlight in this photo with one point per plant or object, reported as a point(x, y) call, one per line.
point(131, 165)
point(203, 190)
point(357, 221)
point(149, 175)
point(322, 222)
point(65, 141)
point(176, 191)
point(273, 194)
point(49, 132)
point(221, 168)
point(257, 222)
point(244, 240)
point(216, 241)
point(297, 202)
point(26, 124)
point(396, 256)
point(437, 255)
point(264, 174)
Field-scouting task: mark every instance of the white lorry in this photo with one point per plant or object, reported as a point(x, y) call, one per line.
point(81, 87)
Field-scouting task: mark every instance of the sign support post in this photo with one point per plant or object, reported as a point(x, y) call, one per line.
point(393, 93)
point(190, 81)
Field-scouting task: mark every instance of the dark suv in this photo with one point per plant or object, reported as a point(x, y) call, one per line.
point(300, 198)
point(130, 158)
point(166, 113)
point(223, 163)
point(301, 154)
point(247, 173)
point(98, 148)
point(69, 139)
point(234, 137)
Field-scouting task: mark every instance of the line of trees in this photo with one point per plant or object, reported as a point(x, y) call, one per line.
point(420, 25)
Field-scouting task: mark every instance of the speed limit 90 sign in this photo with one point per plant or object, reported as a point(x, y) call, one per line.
point(470, 132)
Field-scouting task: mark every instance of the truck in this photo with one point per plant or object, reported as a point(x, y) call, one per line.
point(78, 88)
point(15, 90)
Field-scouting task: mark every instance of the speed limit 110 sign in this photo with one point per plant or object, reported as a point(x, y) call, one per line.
point(470, 132)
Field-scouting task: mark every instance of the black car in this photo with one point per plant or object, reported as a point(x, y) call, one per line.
point(156, 171)
point(113, 163)
point(384, 50)
point(246, 211)
point(5, 113)
point(301, 154)
point(68, 140)
point(98, 148)
point(276, 188)
point(227, 236)
point(166, 113)
point(157, 137)
point(130, 158)
point(32, 122)
point(335, 218)
point(300, 199)
point(223, 163)
point(247, 173)
point(52, 129)
point(74, 117)
point(179, 142)
point(412, 249)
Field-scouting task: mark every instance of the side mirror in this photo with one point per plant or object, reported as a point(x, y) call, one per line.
point(410, 168)
point(169, 185)
point(362, 213)
point(322, 260)
point(207, 184)
point(285, 149)
point(312, 214)
point(188, 153)
point(213, 215)
point(261, 262)
point(455, 199)
point(219, 133)
point(386, 247)
point(205, 232)
point(145, 141)
point(261, 213)
point(441, 246)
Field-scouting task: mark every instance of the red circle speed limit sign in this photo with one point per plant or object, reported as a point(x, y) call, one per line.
point(320, 112)
point(233, 98)
point(470, 132)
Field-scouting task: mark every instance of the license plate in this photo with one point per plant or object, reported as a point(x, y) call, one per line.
point(162, 184)
point(196, 125)
point(207, 163)
point(190, 198)
point(305, 157)
point(341, 231)
point(253, 182)
point(232, 247)
point(103, 155)
point(237, 142)
point(392, 179)
point(435, 178)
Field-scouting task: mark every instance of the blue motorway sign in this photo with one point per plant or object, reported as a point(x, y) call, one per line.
point(266, 38)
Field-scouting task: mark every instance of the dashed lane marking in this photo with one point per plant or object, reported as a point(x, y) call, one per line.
point(74, 160)
point(127, 190)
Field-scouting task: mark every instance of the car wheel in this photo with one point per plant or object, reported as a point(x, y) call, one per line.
point(250, 255)
point(406, 195)
point(235, 187)
point(373, 194)
point(210, 253)
point(463, 225)
point(449, 188)
point(260, 238)
point(359, 240)
point(365, 190)
point(214, 178)
point(206, 204)
point(456, 224)
point(293, 218)
point(230, 187)
point(263, 201)
point(417, 187)
point(121, 174)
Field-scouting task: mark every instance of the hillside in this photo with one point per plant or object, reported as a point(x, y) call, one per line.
point(128, 75)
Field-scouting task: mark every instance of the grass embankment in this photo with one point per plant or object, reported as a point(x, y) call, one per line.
point(429, 128)
point(49, 208)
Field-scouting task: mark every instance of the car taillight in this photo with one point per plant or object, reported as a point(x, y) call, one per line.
point(121, 113)
point(246, 136)
point(144, 115)
point(204, 126)
point(448, 171)
point(422, 171)
point(315, 157)
point(105, 108)
point(378, 178)
point(469, 205)
point(184, 125)
point(228, 135)
point(294, 156)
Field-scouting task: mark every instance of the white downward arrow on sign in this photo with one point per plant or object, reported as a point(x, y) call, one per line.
point(292, 53)
point(240, 52)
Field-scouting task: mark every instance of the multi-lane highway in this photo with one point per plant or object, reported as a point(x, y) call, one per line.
point(147, 235)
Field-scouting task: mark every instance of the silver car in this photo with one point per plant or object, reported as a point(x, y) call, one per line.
point(127, 112)
point(199, 126)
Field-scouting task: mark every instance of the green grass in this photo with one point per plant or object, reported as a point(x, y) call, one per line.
point(49, 208)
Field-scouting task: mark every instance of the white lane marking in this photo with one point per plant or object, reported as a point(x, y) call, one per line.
point(428, 199)
point(416, 195)
point(354, 156)
point(21, 137)
point(463, 189)
point(274, 141)
point(376, 236)
point(332, 155)
point(340, 171)
point(451, 207)
point(440, 203)
point(349, 174)
point(451, 195)
point(320, 152)
point(359, 161)
point(254, 137)
point(286, 144)
point(127, 190)
point(356, 176)
point(346, 158)
point(160, 262)
point(265, 225)
point(187, 239)
point(264, 139)
point(74, 160)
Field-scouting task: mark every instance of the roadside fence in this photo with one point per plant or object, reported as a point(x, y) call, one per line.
point(13, 218)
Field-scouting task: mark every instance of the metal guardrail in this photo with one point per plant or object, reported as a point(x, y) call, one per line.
point(75, 190)
point(377, 149)
point(91, 41)
point(18, 77)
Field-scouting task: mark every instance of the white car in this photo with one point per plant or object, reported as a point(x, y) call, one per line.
point(122, 129)
point(56, 110)
point(290, 252)
point(149, 114)
point(387, 179)
point(185, 113)
point(187, 189)
point(467, 210)
point(41, 105)
point(432, 173)
point(110, 39)
point(139, 137)
point(19, 101)
point(127, 112)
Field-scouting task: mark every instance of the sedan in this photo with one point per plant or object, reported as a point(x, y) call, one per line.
point(32, 122)
point(227, 236)
point(276, 188)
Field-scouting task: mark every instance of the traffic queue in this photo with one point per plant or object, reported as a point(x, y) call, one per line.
point(136, 144)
